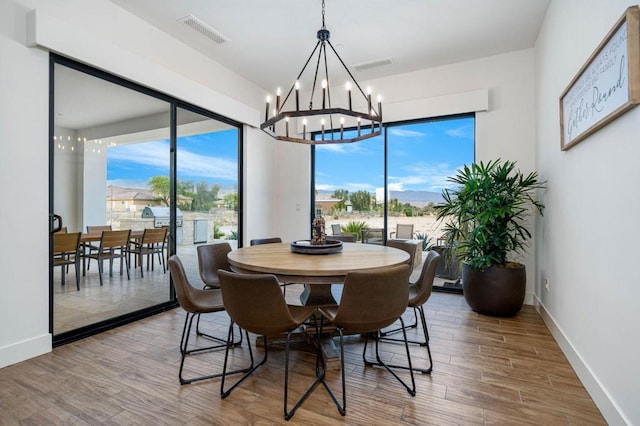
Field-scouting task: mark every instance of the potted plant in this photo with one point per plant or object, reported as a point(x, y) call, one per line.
point(485, 222)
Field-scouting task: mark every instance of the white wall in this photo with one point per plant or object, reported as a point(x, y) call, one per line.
point(589, 234)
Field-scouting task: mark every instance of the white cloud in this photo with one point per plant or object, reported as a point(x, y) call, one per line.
point(340, 148)
point(398, 186)
point(156, 155)
point(406, 133)
point(424, 176)
point(460, 132)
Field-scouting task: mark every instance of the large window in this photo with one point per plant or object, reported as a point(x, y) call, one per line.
point(368, 188)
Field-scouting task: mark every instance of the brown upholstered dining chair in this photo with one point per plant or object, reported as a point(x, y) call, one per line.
point(212, 257)
point(113, 245)
point(152, 243)
point(419, 293)
point(255, 303)
point(371, 300)
point(259, 241)
point(410, 248)
point(66, 251)
point(195, 302)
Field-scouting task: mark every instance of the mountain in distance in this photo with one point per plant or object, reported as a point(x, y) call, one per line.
point(415, 198)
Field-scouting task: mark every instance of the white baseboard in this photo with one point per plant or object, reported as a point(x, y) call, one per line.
point(21, 351)
point(601, 397)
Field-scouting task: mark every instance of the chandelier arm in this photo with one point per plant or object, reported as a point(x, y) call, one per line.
point(299, 75)
point(349, 72)
point(315, 76)
point(326, 74)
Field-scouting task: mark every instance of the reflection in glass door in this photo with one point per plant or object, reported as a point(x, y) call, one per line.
point(109, 142)
point(207, 153)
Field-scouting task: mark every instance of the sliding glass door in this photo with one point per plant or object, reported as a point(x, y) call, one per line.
point(112, 168)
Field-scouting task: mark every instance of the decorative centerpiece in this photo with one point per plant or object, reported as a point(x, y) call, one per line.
point(317, 231)
point(318, 243)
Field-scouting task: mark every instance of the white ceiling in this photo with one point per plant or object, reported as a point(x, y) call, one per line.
point(271, 40)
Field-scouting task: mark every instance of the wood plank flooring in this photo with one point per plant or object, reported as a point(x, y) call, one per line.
point(487, 371)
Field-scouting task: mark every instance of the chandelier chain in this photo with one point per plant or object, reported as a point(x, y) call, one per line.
point(323, 25)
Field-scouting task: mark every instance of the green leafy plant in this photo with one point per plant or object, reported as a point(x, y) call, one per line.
point(485, 214)
point(217, 233)
point(426, 240)
point(353, 227)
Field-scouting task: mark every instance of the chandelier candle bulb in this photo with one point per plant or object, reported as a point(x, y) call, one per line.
point(341, 127)
point(324, 93)
point(322, 127)
point(277, 99)
point(304, 128)
point(297, 85)
point(358, 120)
point(266, 111)
point(380, 106)
point(286, 123)
point(368, 98)
point(348, 86)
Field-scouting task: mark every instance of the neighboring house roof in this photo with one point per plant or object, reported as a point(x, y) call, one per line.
point(137, 194)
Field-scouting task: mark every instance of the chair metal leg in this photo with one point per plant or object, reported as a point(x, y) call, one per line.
point(342, 409)
point(249, 371)
point(184, 351)
point(388, 367)
point(395, 330)
point(419, 313)
point(215, 338)
point(100, 268)
point(77, 265)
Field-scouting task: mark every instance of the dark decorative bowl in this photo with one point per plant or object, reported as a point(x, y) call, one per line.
point(305, 247)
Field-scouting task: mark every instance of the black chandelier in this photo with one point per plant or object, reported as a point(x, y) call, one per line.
point(288, 122)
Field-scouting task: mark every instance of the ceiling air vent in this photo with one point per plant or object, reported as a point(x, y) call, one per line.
point(372, 64)
point(204, 29)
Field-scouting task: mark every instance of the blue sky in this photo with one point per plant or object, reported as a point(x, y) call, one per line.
point(210, 157)
point(421, 157)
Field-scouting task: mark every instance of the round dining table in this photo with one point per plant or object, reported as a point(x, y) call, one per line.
point(316, 271)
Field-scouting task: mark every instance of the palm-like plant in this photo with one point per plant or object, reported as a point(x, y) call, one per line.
point(486, 213)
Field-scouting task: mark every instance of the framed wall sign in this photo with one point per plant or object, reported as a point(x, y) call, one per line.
point(606, 86)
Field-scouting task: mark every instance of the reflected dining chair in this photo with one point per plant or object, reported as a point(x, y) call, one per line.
point(212, 257)
point(255, 303)
point(113, 245)
point(195, 301)
point(94, 229)
point(371, 300)
point(66, 251)
point(419, 293)
point(404, 231)
point(152, 243)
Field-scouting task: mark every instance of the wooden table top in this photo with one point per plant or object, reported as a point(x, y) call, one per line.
point(278, 259)
point(96, 236)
